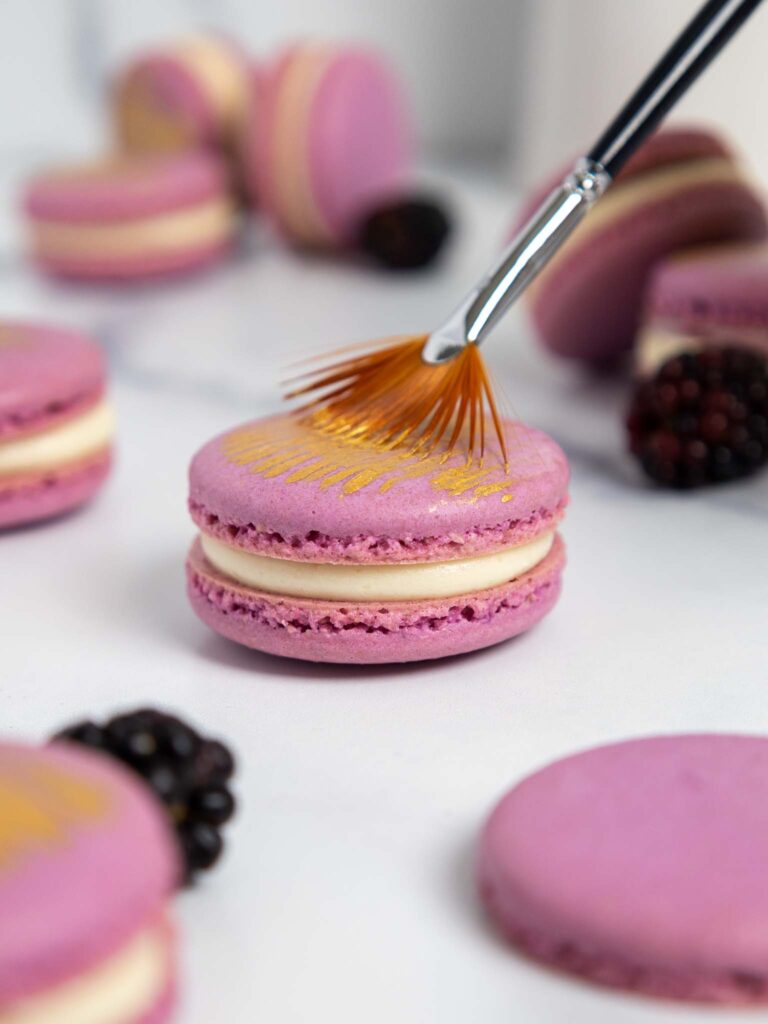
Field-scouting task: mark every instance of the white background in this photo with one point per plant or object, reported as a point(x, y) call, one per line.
point(347, 894)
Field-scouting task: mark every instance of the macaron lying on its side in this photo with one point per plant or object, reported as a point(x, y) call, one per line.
point(88, 866)
point(327, 136)
point(640, 865)
point(182, 96)
point(315, 548)
point(682, 188)
point(56, 425)
point(131, 218)
point(703, 298)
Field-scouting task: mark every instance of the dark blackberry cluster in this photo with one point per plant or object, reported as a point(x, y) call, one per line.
point(405, 234)
point(188, 772)
point(703, 418)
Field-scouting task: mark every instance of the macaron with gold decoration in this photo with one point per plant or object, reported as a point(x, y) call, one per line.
point(131, 218)
point(88, 866)
point(182, 96)
point(56, 421)
point(327, 550)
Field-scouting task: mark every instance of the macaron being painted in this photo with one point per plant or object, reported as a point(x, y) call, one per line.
point(683, 188)
point(327, 137)
point(87, 869)
point(56, 424)
point(183, 96)
point(325, 550)
point(704, 298)
point(131, 218)
point(640, 865)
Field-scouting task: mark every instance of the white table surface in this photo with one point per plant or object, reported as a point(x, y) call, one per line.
point(347, 892)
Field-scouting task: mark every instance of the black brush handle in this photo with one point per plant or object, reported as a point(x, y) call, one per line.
point(693, 50)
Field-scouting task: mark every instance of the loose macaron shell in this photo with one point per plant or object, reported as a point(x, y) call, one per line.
point(88, 865)
point(280, 490)
point(332, 136)
point(712, 296)
point(52, 387)
point(640, 865)
point(131, 217)
point(682, 189)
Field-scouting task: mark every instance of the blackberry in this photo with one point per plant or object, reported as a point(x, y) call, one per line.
point(703, 418)
point(186, 771)
point(405, 234)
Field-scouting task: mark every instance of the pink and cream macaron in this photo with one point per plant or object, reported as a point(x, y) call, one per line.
point(325, 550)
point(683, 188)
point(640, 865)
point(88, 866)
point(327, 137)
point(706, 298)
point(186, 95)
point(56, 423)
point(131, 218)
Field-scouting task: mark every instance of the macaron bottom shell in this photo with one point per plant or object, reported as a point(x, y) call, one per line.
point(137, 267)
point(31, 498)
point(372, 633)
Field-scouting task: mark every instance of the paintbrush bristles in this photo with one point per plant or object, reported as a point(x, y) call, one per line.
point(390, 397)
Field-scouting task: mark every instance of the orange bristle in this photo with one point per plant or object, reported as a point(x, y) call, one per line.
point(390, 397)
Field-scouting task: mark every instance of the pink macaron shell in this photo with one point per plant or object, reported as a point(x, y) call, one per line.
point(391, 507)
point(712, 290)
point(126, 188)
point(164, 1009)
point(359, 142)
point(52, 493)
point(372, 633)
point(47, 375)
point(640, 865)
point(589, 305)
point(177, 91)
point(147, 265)
point(71, 900)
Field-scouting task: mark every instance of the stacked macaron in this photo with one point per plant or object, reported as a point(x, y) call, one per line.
point(87, 870)
point(187, 95)
point(131, 218)
point(56, 423)
point(682, 188)
point(640, 865)
point(328, 137)
point(326, 550)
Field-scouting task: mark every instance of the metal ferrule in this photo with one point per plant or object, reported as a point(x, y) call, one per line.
point(523, 259)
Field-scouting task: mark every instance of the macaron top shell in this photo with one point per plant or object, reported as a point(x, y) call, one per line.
point(359, 138)
point(125, 187)
point(278, 486)
point(86, 860)
point(46, 374)
point(651, 851)
point(725, 286)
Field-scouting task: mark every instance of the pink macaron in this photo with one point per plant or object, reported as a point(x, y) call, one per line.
point(56, 424)
point(327, 136)
point(683, 188)
point(131, 218)
point(188, 94)
point(88, 866)
point(704, 298)
point(640, 865)
point(315, 548)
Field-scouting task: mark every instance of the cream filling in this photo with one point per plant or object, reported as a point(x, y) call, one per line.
point(221, 72)
point(122, 989)
point(651, 186)
point(346, 582)
point(205, 223)
point(656, 345)
point(77, 438)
